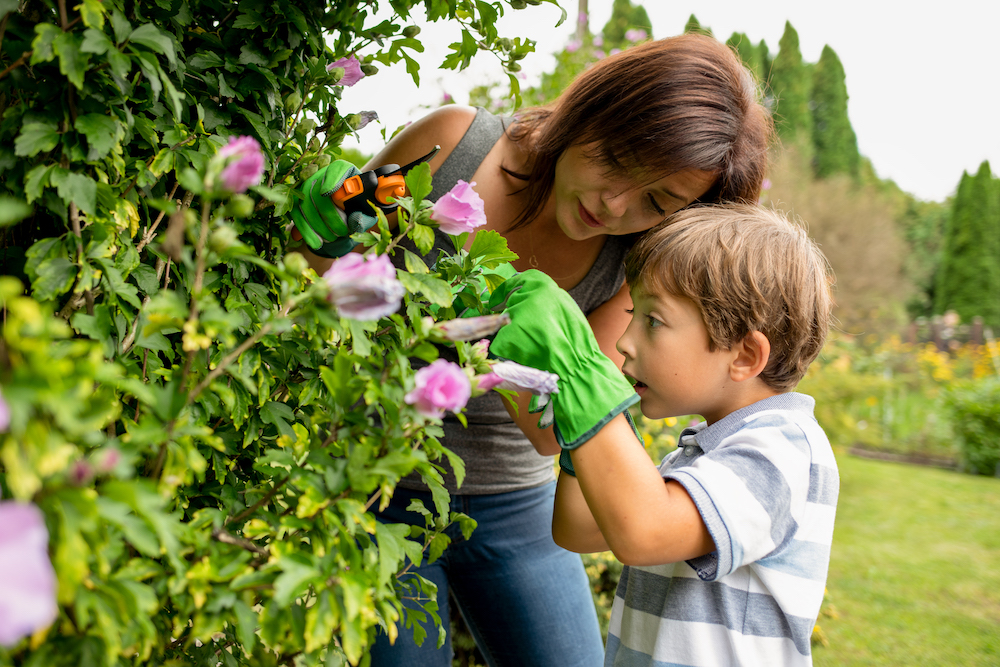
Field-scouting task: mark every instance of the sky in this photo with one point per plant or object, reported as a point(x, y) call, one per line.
point(923, 78)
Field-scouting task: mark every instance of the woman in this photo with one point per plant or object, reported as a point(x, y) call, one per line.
point(636, 137)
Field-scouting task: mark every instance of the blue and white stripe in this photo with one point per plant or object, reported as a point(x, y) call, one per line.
point(766, 484)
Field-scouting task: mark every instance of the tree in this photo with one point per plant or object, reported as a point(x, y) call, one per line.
point(968, 279)
point(625, 17)
point(836, 145)
point(754, 56)
point(791, 84)
point(202, 422)
point(694, 26)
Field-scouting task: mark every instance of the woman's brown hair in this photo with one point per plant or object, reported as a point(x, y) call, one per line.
point(662, 107)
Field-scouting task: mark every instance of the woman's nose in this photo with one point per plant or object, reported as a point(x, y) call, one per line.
point(616, 201)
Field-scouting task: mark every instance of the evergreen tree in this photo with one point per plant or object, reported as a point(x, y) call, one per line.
point(754, 56)
point(968, 279)
point(836, 145)
point(693, 25)
point(792, 86)
point(624, 17)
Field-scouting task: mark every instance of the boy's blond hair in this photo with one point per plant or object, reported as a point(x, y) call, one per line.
point(747, 268)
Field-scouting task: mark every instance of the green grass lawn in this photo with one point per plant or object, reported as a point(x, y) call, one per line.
point(915, 571)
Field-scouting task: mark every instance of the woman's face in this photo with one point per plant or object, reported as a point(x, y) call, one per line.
point(589, 202)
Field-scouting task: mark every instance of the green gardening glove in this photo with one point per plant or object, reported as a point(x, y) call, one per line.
point(325, 228)
point(548, 331)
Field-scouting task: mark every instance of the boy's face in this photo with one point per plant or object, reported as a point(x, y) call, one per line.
point(666, 348)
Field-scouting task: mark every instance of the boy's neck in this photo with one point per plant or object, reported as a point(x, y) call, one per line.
point(750, 392)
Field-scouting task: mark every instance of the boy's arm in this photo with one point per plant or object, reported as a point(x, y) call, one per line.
point(619, 493)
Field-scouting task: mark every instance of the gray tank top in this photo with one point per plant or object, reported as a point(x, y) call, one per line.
point(498, 457)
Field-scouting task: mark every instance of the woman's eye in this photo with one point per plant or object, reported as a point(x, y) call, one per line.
point(655, 206)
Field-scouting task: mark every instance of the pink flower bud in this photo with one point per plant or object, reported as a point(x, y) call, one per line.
point(352, 70)
point(515, 377)
point(27, 580)
point(81, 473)
point(460, 210)
point(364, 288)
point(636, 35)
point(244, 164)
point(441, 386)
point(471, 328)
point(574, 46)
point(107, 459)
point(766, 185)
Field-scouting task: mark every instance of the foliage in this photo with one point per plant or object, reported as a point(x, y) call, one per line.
point(855, 226)
point(205, 435)
point(625, 16)
point(968, 278)
point(755, 56)
point(976, 411)
point(923, 224)
point(833, 137)
point(791, 82)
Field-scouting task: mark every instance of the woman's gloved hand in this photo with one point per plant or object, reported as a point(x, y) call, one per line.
point(325, 228)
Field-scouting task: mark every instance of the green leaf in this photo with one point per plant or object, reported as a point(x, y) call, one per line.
point(251, 55)
point(278, 414)
point(418, 181)
point(36, 137)
point(12, 210)
point(150, 36)
point(257, 121)
point(92, 13)
point(437, 291)
point(36, 180)
point(414, 263)
point(423, 238)
point(163, 162)
point(101, 132)
point(72, 61)
point(41, 45)
point(76, 188)
point(490, 249)
point(55, 277)
point(96, 42)
point(8, 6)
point(293, 580)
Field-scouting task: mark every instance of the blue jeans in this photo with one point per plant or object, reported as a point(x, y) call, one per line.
point(526, 601)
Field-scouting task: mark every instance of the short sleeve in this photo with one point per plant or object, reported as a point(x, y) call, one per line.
point(751, 490)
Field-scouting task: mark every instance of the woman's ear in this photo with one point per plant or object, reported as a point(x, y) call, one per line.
point(752, 355)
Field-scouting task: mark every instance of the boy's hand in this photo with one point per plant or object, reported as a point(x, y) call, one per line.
point(321, 223)
point(548, 331)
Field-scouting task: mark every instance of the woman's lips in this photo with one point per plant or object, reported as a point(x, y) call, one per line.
point(587, 218)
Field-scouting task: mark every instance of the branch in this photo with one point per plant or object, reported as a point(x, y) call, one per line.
point(228, 359)
point(253, 508)
point(228, 538)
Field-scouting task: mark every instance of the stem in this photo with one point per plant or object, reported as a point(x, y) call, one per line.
point(227, 360)
point(147, 236)
point(253, 508)
point(199, 276)
point(228, 538)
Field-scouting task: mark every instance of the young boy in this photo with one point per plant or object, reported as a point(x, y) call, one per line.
point(727, 544)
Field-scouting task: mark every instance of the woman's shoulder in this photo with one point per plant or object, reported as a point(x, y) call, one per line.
point(442, 127)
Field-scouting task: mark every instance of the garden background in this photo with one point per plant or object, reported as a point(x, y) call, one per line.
point(204, 431)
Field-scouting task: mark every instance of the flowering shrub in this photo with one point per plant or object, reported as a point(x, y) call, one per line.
point(202, 428)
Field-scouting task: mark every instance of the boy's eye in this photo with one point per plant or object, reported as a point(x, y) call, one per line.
point(653, 322)
point(659, 210)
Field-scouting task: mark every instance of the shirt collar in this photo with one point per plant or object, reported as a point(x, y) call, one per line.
point(709, 437)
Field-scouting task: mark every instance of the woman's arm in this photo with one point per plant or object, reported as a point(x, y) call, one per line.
point(642, 519)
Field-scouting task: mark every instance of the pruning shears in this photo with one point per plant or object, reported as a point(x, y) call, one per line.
point(375, 186)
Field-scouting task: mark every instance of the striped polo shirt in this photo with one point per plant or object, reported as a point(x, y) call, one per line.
point(766, 483)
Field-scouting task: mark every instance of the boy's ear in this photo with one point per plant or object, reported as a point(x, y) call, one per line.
point(752, 355)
